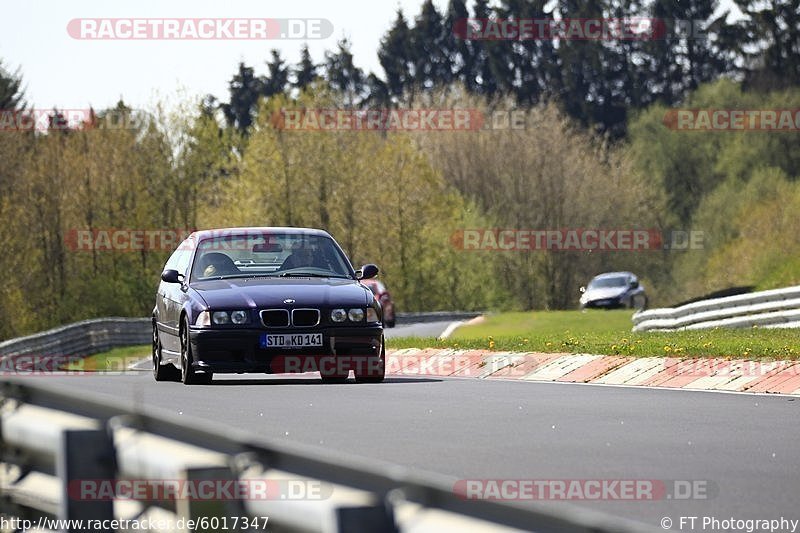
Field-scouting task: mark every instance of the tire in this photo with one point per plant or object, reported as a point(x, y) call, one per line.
point(189, 376)
point(374, 373)
point(161, 372)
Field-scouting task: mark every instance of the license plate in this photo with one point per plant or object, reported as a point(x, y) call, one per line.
point(295, 340)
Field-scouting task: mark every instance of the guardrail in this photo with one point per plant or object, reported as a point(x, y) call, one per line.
point(436, 316)
point(53, 443)
point(82, 338)
point(778, 308)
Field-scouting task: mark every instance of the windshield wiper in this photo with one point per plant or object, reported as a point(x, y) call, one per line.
point(308, 275)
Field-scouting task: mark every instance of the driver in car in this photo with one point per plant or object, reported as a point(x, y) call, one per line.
point(303, 256)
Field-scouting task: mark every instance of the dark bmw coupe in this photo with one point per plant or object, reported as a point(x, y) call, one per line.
point(269, 300)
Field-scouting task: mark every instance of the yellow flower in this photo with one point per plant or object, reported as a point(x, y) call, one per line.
point(667, 349)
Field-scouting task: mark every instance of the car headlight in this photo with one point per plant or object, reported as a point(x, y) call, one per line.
point(220, 317)
point(372, 315)
point(239, 317)
point(338, 315)
point(203, 319)
point(356, 315)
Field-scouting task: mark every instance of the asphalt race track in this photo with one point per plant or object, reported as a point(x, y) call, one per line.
point(743, 446)
point(420, 329)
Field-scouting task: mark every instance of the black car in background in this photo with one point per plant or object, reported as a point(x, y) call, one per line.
point(613, 290)
point(268, 300)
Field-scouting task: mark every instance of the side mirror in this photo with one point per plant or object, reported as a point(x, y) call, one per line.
point(171, 276)
point(367, 271)
point(634, 284)
point(582, 289)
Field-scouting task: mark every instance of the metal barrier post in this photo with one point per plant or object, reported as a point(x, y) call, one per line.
point(86, 456)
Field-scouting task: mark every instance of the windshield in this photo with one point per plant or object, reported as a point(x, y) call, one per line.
point(607, 283)
point(273, 254)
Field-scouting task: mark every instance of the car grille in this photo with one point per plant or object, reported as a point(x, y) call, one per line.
point(275, 318)
point(279, 318)
point(305, 318)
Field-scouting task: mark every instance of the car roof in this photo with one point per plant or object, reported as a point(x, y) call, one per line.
point(614, 275)
point(208, 233)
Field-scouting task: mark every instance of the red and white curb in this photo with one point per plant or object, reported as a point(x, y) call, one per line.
point(733, 375)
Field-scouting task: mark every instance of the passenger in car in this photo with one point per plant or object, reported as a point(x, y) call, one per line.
point(215, 264)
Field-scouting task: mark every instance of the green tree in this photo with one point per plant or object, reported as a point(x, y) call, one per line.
point(343, 75)
point(773, 27)
point(456, 46)
point(394, 55)
point(277, 79)
point(491, 73)
point(244, 90)
point(536, 72)
point(12, 96)
point(305, 72)
point(432, 66)
point(687, 57)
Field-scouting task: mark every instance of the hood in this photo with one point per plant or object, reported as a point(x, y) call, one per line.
point(602, 293)
point(264, 293)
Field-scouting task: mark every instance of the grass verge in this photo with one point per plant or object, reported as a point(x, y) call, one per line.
point(608, 333)
point(115, 360)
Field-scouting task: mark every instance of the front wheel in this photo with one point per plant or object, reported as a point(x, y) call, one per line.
point(189, 376)
point(161, 372)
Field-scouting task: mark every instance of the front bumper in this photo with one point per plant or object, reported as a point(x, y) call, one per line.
point(604, 303)
point(239, 350)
